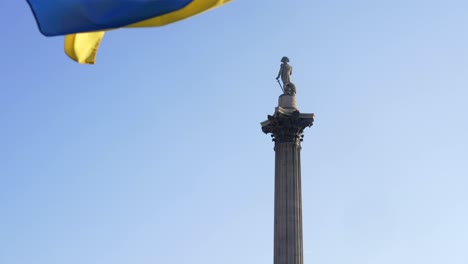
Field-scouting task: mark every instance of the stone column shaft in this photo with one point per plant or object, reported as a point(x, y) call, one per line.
point(288, 248)
point(286, 127)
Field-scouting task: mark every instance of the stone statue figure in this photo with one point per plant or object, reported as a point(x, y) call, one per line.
point(285, 73)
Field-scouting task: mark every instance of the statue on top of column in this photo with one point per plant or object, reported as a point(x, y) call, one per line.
point(285, 73)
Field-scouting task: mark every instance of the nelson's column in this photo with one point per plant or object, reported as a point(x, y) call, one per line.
point(286, 126)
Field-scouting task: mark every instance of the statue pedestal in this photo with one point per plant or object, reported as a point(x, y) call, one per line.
point(288, 101)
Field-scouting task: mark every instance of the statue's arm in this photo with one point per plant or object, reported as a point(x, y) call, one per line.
point(291, 70)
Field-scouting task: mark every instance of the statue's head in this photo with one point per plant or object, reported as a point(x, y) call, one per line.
point(285, 59)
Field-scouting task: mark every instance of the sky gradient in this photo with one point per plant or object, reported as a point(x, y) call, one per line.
point(155, 154)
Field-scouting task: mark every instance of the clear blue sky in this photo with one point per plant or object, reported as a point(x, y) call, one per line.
point(155, 154)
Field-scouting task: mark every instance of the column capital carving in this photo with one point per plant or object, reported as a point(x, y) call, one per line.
point(286, 126)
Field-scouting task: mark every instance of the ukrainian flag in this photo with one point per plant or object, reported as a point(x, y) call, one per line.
point(84, 22)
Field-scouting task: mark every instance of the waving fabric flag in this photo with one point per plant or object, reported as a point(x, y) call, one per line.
point(60, 17)
point(83, 47)
point(86, 21)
